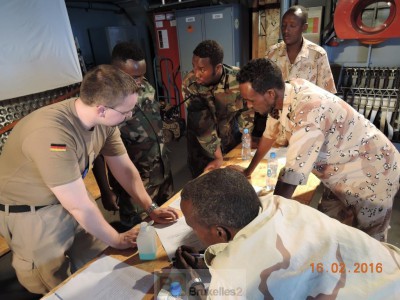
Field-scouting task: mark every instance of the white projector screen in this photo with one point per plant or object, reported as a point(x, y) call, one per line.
point(37, 49)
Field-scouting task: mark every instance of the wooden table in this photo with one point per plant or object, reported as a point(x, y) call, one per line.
point(4, 249)
point(303, 194)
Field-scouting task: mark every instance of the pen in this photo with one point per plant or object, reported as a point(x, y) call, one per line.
point(58, 296)
point(198, 255)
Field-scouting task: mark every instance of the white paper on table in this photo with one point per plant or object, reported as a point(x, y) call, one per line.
point(176, 235)
point(106, 278)
point(177, 203)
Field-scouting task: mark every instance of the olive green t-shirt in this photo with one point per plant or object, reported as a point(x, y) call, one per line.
point(48, 148)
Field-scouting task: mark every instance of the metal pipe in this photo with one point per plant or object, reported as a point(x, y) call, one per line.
point(369, 56)
point(285, 4)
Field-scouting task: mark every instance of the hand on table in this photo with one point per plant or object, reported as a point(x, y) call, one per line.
point(164, 215)
point(240, 169)
point(128, 238)
point(110, 201)
point(215, 164)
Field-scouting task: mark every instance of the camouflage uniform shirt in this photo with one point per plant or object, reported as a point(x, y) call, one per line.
point(311, 64)
point(351, 157)
point(143, 138)
point(216, 114)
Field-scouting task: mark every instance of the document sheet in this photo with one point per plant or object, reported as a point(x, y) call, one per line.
point(107, 278)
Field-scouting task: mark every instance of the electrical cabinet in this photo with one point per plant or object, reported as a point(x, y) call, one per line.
point(166, 63)
point(226, 24)
point(104, 39)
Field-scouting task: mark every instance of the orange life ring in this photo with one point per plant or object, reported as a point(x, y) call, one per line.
point(348, 22)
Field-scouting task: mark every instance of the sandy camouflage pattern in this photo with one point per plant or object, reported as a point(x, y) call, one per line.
point(292, 251)
point(350, 156)
point(311, 64)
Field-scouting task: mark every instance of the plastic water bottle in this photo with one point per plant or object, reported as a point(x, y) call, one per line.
point(146, 242)
point(175, 289)
point(246, 144)
point(272, 171)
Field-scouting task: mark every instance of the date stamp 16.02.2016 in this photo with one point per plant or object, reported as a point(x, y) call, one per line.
point(340, 267)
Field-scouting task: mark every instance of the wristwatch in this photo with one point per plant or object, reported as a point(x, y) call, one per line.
point(152, 207)
point(196, 281)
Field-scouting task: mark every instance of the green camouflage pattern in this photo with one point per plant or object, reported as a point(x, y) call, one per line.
point(144, 142)
point(218, 114)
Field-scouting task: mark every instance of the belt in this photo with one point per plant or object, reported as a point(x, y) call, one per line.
point(19, 208)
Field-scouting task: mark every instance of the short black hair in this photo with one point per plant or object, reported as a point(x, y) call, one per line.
point(299, 11)
point(263, 74)
point(127, 50)
point(210, 49)
point(222, 197)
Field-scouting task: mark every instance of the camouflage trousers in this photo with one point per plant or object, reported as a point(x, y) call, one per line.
point(376, 227)
point(130, 213)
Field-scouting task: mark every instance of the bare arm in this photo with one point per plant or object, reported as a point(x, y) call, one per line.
point(284, 189)
point(108, 198)
point(217, 162)
point(128, 176)
point(264, 146)
point(74, 198)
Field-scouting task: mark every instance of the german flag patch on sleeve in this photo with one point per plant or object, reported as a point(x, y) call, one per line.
point(58, 147)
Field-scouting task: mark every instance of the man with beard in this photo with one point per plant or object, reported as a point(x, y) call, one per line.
point(216, 112)
point(353, 159)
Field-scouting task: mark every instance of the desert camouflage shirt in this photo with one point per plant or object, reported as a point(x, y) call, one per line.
point(143, 137)
point(216, 113)
point(355, 160)
point(311, 64)
point(292, 251)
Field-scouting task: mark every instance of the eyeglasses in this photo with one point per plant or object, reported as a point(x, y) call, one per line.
point(126, 114)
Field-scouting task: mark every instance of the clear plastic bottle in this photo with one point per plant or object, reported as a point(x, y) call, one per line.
point(272, 171)
point(246, 144)
point(146, 242)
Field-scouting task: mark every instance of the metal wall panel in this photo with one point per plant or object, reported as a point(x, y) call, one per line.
point(189, 24)
point(218, 24)
point(224, 23)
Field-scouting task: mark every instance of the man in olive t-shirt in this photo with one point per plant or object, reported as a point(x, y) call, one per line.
point(42, 194)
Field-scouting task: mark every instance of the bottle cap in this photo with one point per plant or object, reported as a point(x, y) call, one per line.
point(246, 130)
point(143, 226)
point(175, 288)
point(272, 155)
